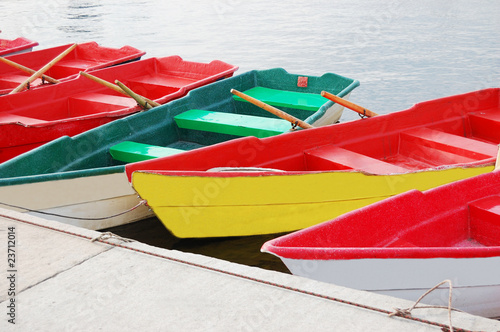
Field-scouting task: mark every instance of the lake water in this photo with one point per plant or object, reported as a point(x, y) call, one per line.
point(402, 52)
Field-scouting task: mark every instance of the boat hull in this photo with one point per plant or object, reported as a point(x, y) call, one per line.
point(78, 201)
point(218, 205)
point(472, 292)
point(407, 244)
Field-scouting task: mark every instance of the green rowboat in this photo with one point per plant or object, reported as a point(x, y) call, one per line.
point(80, 180)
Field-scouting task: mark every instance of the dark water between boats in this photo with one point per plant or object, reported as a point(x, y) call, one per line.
point(242, 250)
point(402, 53)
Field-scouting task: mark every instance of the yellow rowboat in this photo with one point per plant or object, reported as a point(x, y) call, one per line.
point(248, 205)
point(295, 180)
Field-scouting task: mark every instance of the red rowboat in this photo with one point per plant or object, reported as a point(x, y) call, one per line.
point(75, 106)
point(309, 176)
point(85, 57)
point(404, 245)
point(18, 45)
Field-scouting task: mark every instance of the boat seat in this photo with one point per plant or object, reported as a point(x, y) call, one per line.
point(484, 220)
point(14, 79)
point(104, 98)
point(76, 64)
point(164, 80)
point(232, 124)
point(331, 157)
point(281, 98)
point(93, 103)
point(14, 118)
point(459, 145)
point(66, 68)
point(130, 152)
point(486, 124)
point(155, 87)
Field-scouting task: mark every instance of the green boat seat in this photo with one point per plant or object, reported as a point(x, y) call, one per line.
point(232, 124)
point(130, 152)
point(291, 99)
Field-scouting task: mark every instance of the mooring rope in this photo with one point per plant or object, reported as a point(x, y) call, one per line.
point(407, 312)
point(444, 327)
point(108, 235)
point(142, 202)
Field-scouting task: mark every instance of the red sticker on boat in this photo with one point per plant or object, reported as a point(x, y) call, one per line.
point(302, 82)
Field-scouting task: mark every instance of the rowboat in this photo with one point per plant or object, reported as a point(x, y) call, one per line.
point(84, 176)
point(404, 245)
point(313, 175)
point(85, 57)
point(77, 105)
point(18, 45)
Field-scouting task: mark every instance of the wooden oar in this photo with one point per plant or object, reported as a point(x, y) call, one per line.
point(138, 98)
point(273, 110)
point(27, 70)
point(348, 104)
point(41, 71)
point(115, 87)
point(497, 163)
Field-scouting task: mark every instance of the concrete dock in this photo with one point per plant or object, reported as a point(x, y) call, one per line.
point(61, 280)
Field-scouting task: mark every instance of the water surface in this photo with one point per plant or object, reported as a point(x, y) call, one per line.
point(402, 52)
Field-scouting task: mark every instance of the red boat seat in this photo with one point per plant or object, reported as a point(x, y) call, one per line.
point(12, 81)
point(331, 157)
point(486, 124)
point(93, 103)
point(76, 63)
point(173, 81)
point(484, 220)
point(66, 68)
point(458, 145)
point(156, 87)
point(14, 118)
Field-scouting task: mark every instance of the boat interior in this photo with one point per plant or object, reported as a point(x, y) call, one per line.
point(94, 99)
point(232, 118)
point(459, 140)
point(463, 141)
point(175, 127)
point(85, 56)
point(473, 224)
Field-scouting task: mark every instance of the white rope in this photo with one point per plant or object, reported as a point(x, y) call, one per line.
point(407, 312)
point(108, 235)
point(142, 202)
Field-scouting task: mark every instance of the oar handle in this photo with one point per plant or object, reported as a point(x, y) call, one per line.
point(143, 101)
point(140, 100)
point(103, 82)
point(348, 104)
point(116, 88)
point(272, 109)
point(42, 70)
point(27, 70)
point(497, 162)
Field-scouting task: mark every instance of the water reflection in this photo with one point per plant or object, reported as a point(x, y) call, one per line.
point(83, 18)
point(242, 250)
